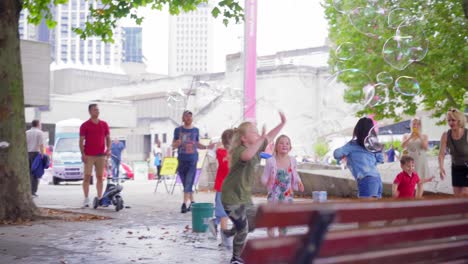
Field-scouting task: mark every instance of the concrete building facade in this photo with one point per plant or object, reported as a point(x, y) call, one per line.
point(191, 40)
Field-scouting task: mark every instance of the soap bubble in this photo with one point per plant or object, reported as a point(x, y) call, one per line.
point(415, 41)
point(371, 142)
point(375, 94)
point(399, 17)
point(384, 77)
point(345, 51)
point(369, 20)
point(407, 85)
point(395, 53)
point(344, 6)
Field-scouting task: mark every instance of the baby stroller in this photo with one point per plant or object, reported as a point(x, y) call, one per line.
point(111, 195)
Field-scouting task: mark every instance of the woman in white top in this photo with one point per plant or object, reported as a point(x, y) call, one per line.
point(416, 144)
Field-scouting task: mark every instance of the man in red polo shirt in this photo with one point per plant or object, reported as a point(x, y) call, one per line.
point(95, 145)
point(405, 182)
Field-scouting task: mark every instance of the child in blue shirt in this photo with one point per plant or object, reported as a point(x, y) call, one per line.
point(362, 162)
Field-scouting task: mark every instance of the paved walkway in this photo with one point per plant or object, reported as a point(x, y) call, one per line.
point(152, 231)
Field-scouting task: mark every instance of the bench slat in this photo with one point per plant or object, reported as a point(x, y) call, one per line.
point(282, 215)
point(346, 242)
point(372, 239)
point(434, 253)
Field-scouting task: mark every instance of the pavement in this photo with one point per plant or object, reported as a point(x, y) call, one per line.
point(152, 230)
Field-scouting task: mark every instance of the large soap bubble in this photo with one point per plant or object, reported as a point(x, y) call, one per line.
point(399, 17)
point(375, 94)
point(371, 142)
point(407, 85)
point(369, 20)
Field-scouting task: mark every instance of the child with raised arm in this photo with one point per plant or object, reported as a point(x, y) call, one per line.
point(281, 177)
point(244, 156)
point(362, 162)
point(223, 170)
point(405, 182)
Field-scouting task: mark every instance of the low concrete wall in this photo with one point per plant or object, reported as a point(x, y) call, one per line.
point(317, 181)
point(337, 182)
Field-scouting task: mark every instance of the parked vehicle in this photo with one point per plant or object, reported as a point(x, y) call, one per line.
point(66, 158)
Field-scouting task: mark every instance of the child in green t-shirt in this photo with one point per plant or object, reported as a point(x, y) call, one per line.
point(244, 157)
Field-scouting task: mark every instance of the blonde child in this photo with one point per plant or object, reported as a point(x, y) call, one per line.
point(406, 181)
point(244, 156)
point(280, 176)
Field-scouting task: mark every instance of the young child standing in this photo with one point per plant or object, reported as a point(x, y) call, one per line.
point(280, 176)
point(362, 162)
point(406, 181)
point(223, 169)
point(244, 156)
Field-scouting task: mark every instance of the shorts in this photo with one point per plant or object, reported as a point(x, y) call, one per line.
point(459, 175)
point(187, 170)
point(219, 208)
point(98, 162)
point(369, 187)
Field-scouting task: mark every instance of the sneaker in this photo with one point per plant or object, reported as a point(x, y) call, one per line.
point(189, 208)
point(236, 260)
point(86, 202)
point(213, 228)
point(35, 195)
point(226, 241)
point(183, 209)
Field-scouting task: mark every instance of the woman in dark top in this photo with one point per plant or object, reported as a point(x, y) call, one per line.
point(456, 141)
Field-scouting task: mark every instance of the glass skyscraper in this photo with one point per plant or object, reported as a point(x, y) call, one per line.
point(132, 44)
point(66, 46)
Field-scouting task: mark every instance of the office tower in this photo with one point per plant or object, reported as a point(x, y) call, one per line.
point(190, 42)
point(132, 44)
point(66, 46)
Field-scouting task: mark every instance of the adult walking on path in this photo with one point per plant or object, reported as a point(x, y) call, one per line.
point(116, 151)
point(187, 141)
point(35, 144)
point(416, 143)
point(456, 141)
point(95, 148)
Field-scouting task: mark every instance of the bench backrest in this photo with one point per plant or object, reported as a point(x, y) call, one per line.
point(378, 243)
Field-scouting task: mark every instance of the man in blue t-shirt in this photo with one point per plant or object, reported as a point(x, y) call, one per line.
point(116, 156)
point(186, 140)
point(390, 154)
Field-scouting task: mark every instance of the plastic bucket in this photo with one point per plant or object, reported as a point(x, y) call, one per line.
point(201, 214)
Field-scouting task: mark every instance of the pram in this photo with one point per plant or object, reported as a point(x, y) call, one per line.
point(111, 195)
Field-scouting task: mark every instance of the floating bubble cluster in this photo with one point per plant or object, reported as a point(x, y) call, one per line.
point(408, 44)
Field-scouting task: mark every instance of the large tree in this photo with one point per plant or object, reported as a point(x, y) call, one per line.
point(15, 199)
point(374, 36)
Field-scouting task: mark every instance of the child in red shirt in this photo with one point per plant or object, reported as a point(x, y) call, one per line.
point(405, 182)
point(223, 170)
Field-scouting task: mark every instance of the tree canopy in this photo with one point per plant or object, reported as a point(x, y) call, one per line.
point(103, 18)
point(413, 52)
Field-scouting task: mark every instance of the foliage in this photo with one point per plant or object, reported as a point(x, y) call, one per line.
point(396, 145)
point(441, 73)
point(103, 19)
point(321, 148)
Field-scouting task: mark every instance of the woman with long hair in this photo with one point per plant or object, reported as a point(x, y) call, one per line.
point(361, 161)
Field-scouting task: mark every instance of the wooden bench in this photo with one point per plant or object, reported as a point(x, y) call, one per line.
point(437, 231)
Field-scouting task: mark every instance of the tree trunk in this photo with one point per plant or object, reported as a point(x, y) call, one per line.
point(15, 190)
